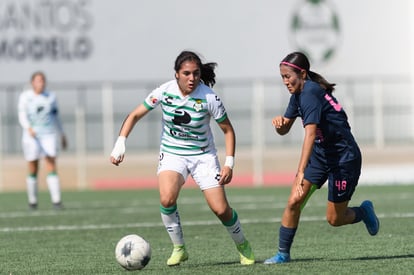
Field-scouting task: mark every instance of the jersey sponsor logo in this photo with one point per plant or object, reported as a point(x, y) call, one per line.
point(40, 109)
point(181, 117)
point(183, 135)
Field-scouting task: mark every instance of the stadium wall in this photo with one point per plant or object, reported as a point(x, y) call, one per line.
point(102, 58)
point(108, 40)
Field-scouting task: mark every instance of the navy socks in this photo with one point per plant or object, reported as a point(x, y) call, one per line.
point(286, 236)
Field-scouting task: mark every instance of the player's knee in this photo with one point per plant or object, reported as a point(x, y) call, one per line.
point(334, 220)
point(167, 202)
point(222, 213)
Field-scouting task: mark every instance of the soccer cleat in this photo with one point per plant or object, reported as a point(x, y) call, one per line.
point(58, 206)
point(178, 255)
point(33, 206)
point(369, 218)
point(246, 253)
point(279, 258)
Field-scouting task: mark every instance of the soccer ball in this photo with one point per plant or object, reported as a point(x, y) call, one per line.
point(133, 252)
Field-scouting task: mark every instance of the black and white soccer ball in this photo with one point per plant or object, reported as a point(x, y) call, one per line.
point(133, 252)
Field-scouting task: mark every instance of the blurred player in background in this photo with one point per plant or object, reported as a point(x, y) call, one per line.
point(42, 130)
point(329, 152)
point(187, 147)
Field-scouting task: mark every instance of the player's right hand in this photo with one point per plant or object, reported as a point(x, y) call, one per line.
point(278, 121)
point(117, 155)
point(32, 132)
point(299, 184)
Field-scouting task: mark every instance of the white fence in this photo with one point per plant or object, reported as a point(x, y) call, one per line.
point(381, 113)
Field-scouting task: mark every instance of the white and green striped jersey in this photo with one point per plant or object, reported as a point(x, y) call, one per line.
point(39, 112)
point(186, 119)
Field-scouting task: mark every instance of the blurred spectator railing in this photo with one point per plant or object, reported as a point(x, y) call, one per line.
point(380, 110)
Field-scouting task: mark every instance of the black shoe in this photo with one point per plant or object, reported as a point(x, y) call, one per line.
point(32, 206)
point(58, 206)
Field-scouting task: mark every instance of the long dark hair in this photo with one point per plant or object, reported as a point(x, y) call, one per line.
point(298, 61)
point(207, 70)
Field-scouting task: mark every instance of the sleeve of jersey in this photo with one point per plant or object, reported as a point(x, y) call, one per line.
point(217, 109)
point(23, 120)
point(292, 108)
point(311, 109)
point(153, 99)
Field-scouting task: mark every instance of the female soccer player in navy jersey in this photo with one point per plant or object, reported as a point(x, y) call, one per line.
point(329, 152)
point(187, 147)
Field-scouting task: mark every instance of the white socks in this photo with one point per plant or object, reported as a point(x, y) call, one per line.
point(234, 228)
point(54, 187)
point(31, 182)
point(171, 220)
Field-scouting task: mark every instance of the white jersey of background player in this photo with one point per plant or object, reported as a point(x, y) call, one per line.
point(42, 129)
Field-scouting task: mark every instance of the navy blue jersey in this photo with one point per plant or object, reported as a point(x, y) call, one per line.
point(334, 142)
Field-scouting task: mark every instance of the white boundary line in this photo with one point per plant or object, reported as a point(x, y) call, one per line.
point(159, 224)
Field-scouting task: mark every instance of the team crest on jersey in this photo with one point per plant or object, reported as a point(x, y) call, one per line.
point(198, 106)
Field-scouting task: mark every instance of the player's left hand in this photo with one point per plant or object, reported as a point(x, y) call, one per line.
point(278, 122)
point(299, 183)
point(64, 142)
point(32, 132)
point(226, 175)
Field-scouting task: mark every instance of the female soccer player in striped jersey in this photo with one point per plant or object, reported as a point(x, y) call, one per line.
point(187, 147)
point(42, 130)
point(329, 152)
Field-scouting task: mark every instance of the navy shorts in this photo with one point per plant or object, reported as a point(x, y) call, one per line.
point(342, 177)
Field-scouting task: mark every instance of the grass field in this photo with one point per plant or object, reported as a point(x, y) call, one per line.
point(81, 238)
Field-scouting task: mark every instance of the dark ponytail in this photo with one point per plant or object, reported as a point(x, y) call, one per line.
point(207, 70)
point(207, 74)
point(298, 61)
point(330, 87)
